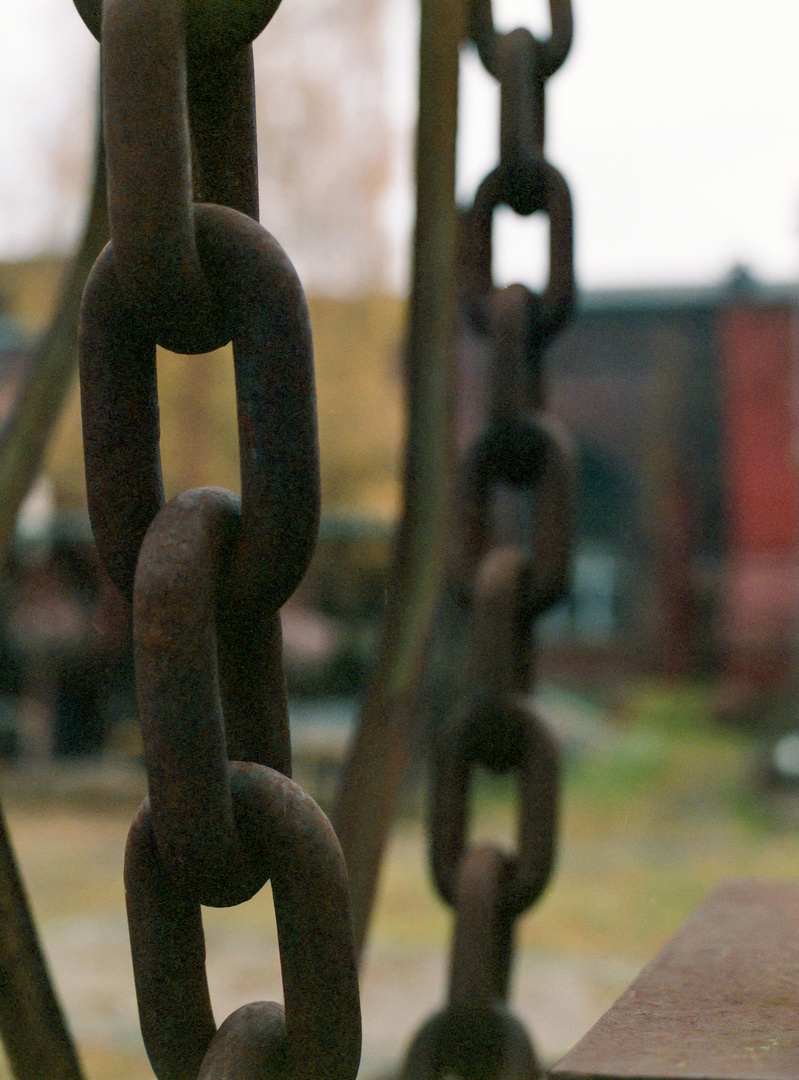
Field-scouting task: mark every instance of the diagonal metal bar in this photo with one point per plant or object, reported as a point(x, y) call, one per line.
point(379, 754)
point(32, 1026)
point(24, 437)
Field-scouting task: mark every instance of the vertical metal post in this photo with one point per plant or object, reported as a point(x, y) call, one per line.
point(376, 767)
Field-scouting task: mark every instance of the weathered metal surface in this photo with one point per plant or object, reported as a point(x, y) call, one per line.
point(508, 560)
point(267, 319)
point(483, 938)
point(529, 454)
point(720, 1002)
point(290, 842)
point(552, 51)
point(180, 708)
point(502, 736)
point(484, 1044)
point(207, 572)
point(36, 1039)
point(148, 158)
point(220, 26)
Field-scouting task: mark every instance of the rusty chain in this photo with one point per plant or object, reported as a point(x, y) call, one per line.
point(189, 268)
point(508, 562)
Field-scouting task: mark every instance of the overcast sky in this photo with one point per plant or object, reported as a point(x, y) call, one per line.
point(676, 123)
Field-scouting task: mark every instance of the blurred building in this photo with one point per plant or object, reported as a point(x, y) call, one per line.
point(683, 404)
point(683, 407)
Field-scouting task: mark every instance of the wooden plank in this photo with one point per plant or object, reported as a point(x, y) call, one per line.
point(720, 1002)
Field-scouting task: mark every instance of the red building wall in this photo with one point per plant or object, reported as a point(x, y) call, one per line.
point(760, 594)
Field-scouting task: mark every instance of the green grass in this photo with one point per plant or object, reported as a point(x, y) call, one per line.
point(655, 813)
point(652, 818)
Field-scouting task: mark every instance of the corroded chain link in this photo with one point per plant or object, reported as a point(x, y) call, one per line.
point(509, 561)
point(189, 268)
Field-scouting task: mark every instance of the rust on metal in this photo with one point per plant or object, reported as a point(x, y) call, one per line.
point(720, 1001)
point(483, 937)
point(289, 842)
point(219, 27)
point(501, 735)
point(552, 51)
point(474, 1044)
point(267, 319)
point(508, 560)
point(527, 453)
point(207, 572)
point(148, 159)
point(180, 707)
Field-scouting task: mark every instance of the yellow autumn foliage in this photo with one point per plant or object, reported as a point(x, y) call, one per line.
point(357, 345)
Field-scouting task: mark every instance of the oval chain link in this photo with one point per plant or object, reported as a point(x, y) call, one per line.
point(207, 572)
point(317, 1034)
point(221, 26)
point(267, 318)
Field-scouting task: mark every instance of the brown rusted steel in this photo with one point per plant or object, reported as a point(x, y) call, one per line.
point(552, 51)
point(719, 1002)
point(389, 717)
point(482, 940)
point(500, 735)
point(508, 560)
point(250, 1045)
point(475, 1036)
point(474, 1044)
point(174, 631)
point(35, 1036)
point(320, 984)
point(207, 572)
point(150, 194)
point(221, 96)
point(550, 310)
point(531, 455)
point(218, 27)
point(153, 183)
point(221, 93)
point(267, 319)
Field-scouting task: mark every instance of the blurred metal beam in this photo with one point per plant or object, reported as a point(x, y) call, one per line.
point(32, 1025)
point(376, 767)
point(35, 1036)
point(24, 437)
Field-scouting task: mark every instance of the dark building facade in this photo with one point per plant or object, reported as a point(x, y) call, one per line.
point(682, 405)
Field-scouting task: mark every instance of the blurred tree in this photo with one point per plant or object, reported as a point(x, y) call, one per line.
point(328, 150)
point(360, 405)
point(325, 74)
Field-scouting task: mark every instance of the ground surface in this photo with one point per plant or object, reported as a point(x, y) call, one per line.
point(652, 820)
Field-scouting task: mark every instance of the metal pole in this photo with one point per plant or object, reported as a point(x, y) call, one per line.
point(374, 772)
point(32, 1026)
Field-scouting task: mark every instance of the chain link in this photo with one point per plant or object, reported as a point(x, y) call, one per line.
point(219, 27)
point(207, 572)
point(317, 1035)
point(189, 268)
point(508, 562)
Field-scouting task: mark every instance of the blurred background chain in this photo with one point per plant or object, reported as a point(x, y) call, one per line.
point(508, 562)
